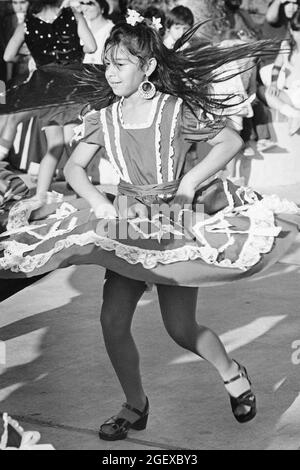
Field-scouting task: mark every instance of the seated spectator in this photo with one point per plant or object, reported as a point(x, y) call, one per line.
point(276, 27)
point(96, 15)
point(243, 86)
point(241, 89)
point(276, 24)
point(283, 94)
point(179, 20)
point(280, 12)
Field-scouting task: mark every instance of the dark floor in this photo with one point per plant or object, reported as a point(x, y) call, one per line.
point(10, 287)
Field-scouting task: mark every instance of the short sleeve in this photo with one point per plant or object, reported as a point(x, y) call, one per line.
point(201, 126)
point(90, 130)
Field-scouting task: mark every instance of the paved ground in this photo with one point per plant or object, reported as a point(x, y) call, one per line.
point(55, 376)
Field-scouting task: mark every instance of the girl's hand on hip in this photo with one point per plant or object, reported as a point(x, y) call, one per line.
point(105, 211)
point(137, 210)
point(185, 195)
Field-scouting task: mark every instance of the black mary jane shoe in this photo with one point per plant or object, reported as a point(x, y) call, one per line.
point(245, 399)
point(121, 426)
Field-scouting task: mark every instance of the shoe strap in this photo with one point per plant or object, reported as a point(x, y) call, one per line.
point(241, 373)
point(239, 376)
point(135, 410)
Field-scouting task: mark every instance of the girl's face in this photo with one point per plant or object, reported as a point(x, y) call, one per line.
point(176, 31)
point(90, 9)
point(123, 71)
point(290, 7)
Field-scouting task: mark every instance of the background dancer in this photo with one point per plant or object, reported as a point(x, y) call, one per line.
point(53, 34)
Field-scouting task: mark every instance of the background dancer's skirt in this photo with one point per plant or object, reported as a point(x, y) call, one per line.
point(53, 92)
point(230, 246)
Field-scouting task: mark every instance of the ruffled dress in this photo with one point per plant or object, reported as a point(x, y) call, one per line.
point(52, 88)
point(228, 233)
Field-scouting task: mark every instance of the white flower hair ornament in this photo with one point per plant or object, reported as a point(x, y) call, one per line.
point(134, 17)
point(156, 23)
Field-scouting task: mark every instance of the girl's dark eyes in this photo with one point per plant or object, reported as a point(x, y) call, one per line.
point(117, 64)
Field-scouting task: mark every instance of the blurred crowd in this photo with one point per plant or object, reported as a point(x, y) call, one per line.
point(268, 83)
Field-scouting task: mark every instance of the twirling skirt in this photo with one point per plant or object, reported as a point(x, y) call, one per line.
point(195, 247)
point(52, 92)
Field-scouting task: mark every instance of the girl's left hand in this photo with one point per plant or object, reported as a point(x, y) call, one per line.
point(137, 210)
point(185, 195)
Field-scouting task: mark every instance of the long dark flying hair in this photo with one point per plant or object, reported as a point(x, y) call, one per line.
point(186, 72)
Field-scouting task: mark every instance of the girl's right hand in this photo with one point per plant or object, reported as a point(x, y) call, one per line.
point(105, 211)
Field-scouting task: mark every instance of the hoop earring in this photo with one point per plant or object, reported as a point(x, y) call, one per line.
point(147, 90)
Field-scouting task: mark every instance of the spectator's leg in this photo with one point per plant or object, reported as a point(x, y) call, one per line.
point(262, 117)
point(247, 132)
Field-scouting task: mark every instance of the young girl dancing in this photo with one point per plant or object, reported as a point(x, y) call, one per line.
point(159, 103)
point(134, 54)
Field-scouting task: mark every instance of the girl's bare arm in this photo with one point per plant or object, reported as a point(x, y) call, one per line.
point(75, 173)
point(225, 145)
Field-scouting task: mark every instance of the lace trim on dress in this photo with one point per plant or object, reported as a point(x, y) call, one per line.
point(158, 141)
point(178, 105)
point(280, 206)
point(108, 145)
point(143, 125)
point(228, 194)
point(262, 233)
point(120, 155)
point(14, 248)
